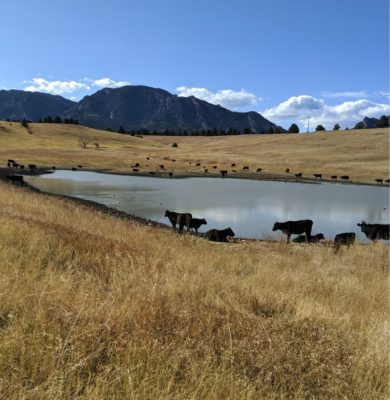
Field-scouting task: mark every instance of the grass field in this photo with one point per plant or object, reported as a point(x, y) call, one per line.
point(110, 309)
point(361, 154)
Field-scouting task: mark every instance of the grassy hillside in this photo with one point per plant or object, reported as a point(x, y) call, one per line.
point(361, 154)
point(110, 309)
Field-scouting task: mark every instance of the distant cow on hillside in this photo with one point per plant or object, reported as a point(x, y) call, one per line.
point(216, 235)
point(344, 239)
point(334, 177)
point(298, 175)
point(375, 231)
point(379, 181)
point(313, 239)
point(196, 223)
point(245, 168)
point(317, 176)
point(258, 170)
point(181, 219)
point(223, 173)
point(344, 177)
point(287, 170)
point(294, 228)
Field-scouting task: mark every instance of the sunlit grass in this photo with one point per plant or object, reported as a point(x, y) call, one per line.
point(95, 307)
point(361, 154)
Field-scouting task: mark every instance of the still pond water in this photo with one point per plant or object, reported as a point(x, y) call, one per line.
point(249, 207)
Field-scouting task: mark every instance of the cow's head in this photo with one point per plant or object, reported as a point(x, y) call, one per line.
point(320, 236)
point(167, 213)
point(203, 221)
point(230, 232)
point(362, 224)
point(276, 226)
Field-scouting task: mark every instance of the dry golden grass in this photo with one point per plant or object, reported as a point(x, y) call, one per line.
point(109, 309)
point(361, 154)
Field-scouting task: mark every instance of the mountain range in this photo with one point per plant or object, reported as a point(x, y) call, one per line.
point(133, 108)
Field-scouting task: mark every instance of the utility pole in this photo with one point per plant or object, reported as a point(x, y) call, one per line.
point(308, 123)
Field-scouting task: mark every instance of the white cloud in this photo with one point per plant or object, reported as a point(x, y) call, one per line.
point(55, 87)
point(108, 82)
point(64, 87)
point(227, 98)
point(348, 113)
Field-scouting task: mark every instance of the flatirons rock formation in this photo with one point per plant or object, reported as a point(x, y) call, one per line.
point(133, 108)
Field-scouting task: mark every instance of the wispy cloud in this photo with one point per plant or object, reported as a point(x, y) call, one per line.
point(300, 108)
point(227, 98)
point(71, 86)
point(351, 95)
point(384, 94)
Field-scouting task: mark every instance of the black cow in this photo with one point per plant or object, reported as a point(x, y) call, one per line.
point(206, 170)
point(181, 219)
point(317, 176)
point(16, 179)
point(216, 235)
point(74, 169)
point(135, 169)
point(344, 177)
point(313, 239)
point(387, 180)
point(294, 228)
point(245, 168)
point(223, 173)
point(375, 231)
point(334, 177)
point(197, 164)
point(298, 175)
point(136, 164)
point(233, 165)
point(287, 170)
point(161, 166)
point(11, 161)
point(215, 166)
point(152, 173)
point(79, 166)
point(196, 223)
point(344, 239)
point(258, 170)
point(170, 174)
point(379, 181)
point(32, 167)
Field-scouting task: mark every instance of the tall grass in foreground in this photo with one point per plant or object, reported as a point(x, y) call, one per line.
point(94, 307)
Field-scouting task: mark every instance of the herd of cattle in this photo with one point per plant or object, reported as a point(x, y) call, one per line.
point(302, 228)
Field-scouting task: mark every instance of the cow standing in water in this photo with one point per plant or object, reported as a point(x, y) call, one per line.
point(295, 228)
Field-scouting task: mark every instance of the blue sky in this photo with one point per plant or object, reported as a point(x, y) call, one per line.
point(286, 59)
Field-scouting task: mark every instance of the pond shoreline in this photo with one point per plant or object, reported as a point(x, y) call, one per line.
point(183, 175)
point(128, 214)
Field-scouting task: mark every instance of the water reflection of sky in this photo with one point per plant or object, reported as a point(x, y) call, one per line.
point(250, 208)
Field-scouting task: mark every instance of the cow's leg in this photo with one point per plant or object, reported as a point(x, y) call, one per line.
point(288, 237)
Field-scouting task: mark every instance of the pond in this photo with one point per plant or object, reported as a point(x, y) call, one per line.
point(249, 207)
